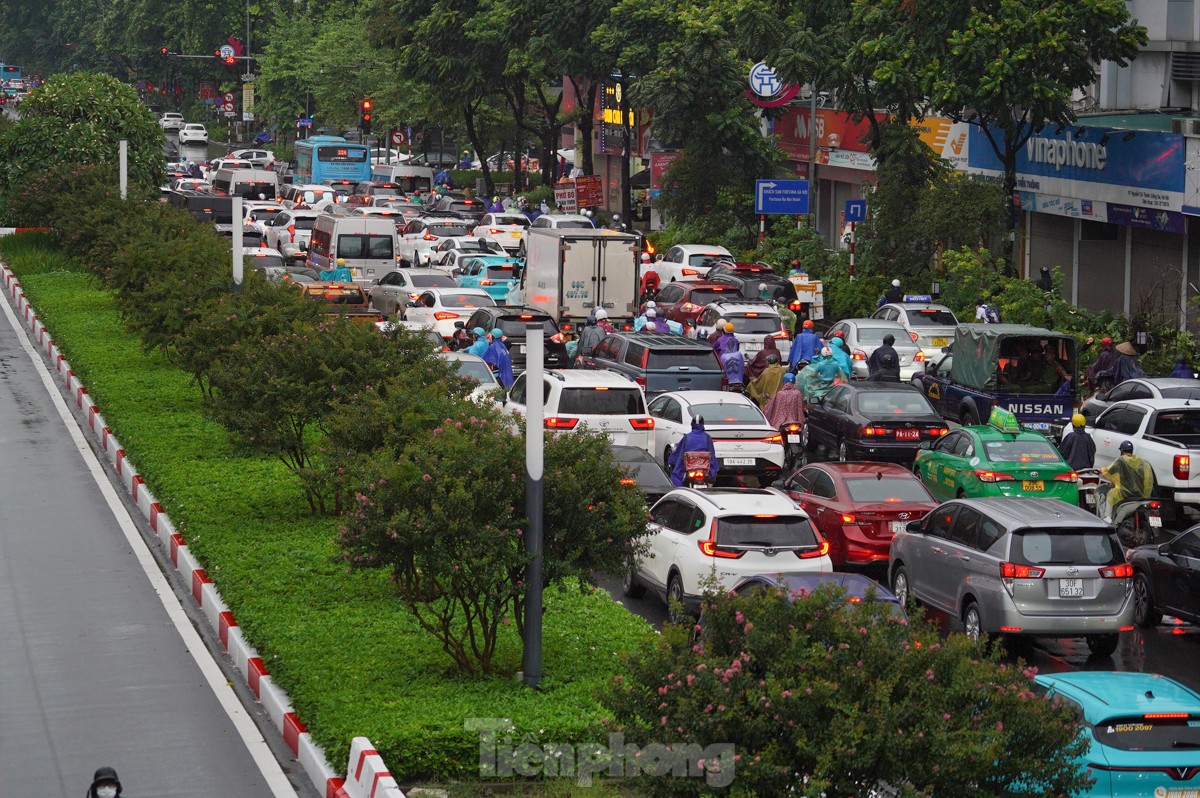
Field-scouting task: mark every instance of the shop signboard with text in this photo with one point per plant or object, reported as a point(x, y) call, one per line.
point(843, 142)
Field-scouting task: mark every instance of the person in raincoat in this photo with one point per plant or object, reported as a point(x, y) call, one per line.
point(786, 316)
point(819, 377)
point(733, 362)
point(721, 343)
point(497, 356)
point(1182, 370)
point(105, 784)
point(1126, 367)
point(695, 441)
point(806, 346)
point(1132, 478)
point(838, 347)
point(787, 406)
point(603, 323)
point(759, 364)
point(768, 382)
point(1077, 447)
point(497, 206)
point(481, 342)
point(591, 335)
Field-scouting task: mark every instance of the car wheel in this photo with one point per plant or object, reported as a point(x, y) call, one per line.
point(630, 586)
point(969, 417)
point(972, 622)
point(900, 586)
point(667, 457)
point(843, 452)
point(1143, 603)
point(675, 598)
point(962, 494)
point(806, 441)
point(1103, 645)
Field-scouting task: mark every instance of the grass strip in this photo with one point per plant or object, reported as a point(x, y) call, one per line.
point(351, 659)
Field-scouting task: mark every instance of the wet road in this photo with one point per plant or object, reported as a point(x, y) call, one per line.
point(99, 665)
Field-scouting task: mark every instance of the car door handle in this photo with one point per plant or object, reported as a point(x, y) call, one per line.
point(964, 558)
point(936, 549)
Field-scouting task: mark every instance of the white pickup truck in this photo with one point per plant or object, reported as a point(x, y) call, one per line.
point(1165, 433)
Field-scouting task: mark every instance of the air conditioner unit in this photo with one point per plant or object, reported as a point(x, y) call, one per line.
point(1186, 126)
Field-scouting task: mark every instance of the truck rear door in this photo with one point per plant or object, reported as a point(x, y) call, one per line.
point(618, 279)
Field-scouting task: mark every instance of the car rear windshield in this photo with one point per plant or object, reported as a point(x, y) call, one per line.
point(574, 225)
point(475, 370)
point(467, 301)
point(264, 214)
point(311, 197)
point(514, 326)
point(707, 259)
point(1021, 452)
point(721, 415)
point(304, 222)
point(874, 335)
point(432, 281)
point(928, 317)
point(702, 296)
point(762, 324)
point(886, 489)
point(648, 475)
point(499, 272)
point(447, 230)
point(1181, 392)
point(1097, 547)
point(512, 221)
point(1178, 422)
point(881, 404)
point(675, 358)
point(340, 296)
point(464, 207)
point(602, 402)
point(1140, 733)
point(364, 246)
point(265, 261)
point(765, 530)
point(385, 191)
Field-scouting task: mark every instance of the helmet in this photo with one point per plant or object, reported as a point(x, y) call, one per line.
point(1078, 420)
point(789, 377)
point(651, 313)
point(497, 333)
point(651, 304)
point(826, 352)
point(650, 327)
point(762, 286)
point(795, 264)
point(840, 334)
point(479, 332)
point(728, 326)
point(591, 321)
point(645, 257)
point(808, 324)
point(1126, 447)
point(1106, 341)
point(895, 283)
point(601, 313)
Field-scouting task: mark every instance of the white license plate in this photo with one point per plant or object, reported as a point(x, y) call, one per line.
point(1155, 521)
point(1040, 426)
point(1089, 498)
point(793, 438)
point(1070, 588)
point(738, 461)
point(898, 527)
point(753, 347)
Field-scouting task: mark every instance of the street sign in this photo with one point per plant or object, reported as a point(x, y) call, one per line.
point(783, 197)
point(856, 210)
point(397, 137)
point(303, 122)
point(589, 191)
point(226, 51)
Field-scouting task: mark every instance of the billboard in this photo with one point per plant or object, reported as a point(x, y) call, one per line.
point(843, 142)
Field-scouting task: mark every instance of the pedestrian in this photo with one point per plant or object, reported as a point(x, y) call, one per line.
point(1182, 370)
point(1106, 362)
point(544, 207)
point(591, 335)
point(1045, 281)
point(805, 347)
point(105, 784)
point(759, 363)
point(986, 313)
point(875, 361)
point(497, 355)
point(1077, 447)
point(1126, 367)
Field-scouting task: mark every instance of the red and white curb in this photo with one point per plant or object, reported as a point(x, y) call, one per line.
point(367, 776)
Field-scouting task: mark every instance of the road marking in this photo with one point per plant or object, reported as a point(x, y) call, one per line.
point(267, 764)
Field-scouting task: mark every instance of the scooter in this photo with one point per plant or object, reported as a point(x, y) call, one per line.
point(1089, 481)
point(696, 468)
point(1140, 524)
point(793, 450)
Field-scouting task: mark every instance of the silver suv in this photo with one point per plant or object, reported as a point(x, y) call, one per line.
point(1016, 566)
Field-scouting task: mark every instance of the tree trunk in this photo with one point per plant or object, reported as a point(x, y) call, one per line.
point(1012, 213)
point(478, 144)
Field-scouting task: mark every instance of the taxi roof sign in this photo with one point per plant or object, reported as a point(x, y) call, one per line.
point(1004, 420)
point(918, 298)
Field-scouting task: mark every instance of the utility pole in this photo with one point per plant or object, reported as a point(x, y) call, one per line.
point(535, 441)
point(626, 150)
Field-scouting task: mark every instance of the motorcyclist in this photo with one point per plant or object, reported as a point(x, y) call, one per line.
point(498, 357)
point(1126, 366)
point(481, 342)
point(888, 368)
point(819, 377)
point(649, 317)
point(461, 338)
point(838, 347)
point(733, 362)
point(603, 323)
point(590, 336)
point(805, 347)
point(893, 294)
point(720, 345)
point(767, 383)
point(787, 406)
point(786, 316)
point(695, 441)
point(1132, 479)
point(876, 359)
point(1077, 447)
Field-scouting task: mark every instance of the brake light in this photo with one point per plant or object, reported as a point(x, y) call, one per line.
point(919, 357)
point(783, 333)
point(858, 355)
point(992, 476)
point(429, 236)
point(796, 305)
point(937, 432)
point(1153, 505)
point(1071, 477)
point(913, 335)
point(752, 315)
point(414, 296)
point(557, 422)
point(486, 282)
point(1010, 570)
point(875, 431)
point(642, 423)
point(688, 307)
point(819, 551)
point(1161, 715)
point(792, 427)
point(1121, 571)
point(709, 548)
point(689, 272)
point(292, 233)
point(558, 338)
point(776, 438)
point(640, 381)
point(645, 357)
point(1182, 466)
point(444, 315)
point(525, 316)
point(493, 230)
point(849, 519)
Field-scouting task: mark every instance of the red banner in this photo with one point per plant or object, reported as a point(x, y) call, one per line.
point(208, 90)
point(833, 129)
point(660, 162)
point(589, 192)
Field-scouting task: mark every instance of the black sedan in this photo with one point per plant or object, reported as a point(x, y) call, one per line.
point(871, 421)
point(512, 321)
point(643, 471)
point(747, 277)
point(1166, 580)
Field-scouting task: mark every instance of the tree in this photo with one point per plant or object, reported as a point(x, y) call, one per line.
point(1012, 68)
point(822, 697)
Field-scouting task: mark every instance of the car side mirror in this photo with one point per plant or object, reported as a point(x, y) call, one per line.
point(924, 445)
point(374, 282)
point(930, 366)
point(1164, 550)
point(914, 527)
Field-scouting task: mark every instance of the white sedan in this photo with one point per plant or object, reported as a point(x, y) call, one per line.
point(746, 443)
point(439, 308)
point(193, 134)
point(689, 262)
point(506, 229)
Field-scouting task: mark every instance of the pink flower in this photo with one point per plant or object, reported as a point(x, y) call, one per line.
point(999, 725)
point(426, 477)
point(737, 616)
point(945, 716)
point(786, 694)
point(691, 680)
point(929, 675)
point(663, 720)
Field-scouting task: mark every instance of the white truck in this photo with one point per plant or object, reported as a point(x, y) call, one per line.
point(568, 273)
point(1165, 433)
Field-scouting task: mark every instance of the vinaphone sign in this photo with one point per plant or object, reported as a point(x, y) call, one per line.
point(1066, 152)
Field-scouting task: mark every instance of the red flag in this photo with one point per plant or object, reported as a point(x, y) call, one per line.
point(236, 44)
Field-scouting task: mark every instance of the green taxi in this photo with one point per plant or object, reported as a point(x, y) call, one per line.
point(995, 459)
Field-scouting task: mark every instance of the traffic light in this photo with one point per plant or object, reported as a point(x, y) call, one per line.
point(364, 115)
point(163, 50)
point(227, 60)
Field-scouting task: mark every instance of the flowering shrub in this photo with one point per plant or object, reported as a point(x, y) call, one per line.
point(822, 697)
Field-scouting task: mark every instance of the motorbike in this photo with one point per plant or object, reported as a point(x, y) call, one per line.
point(793, 450)
point(696, 469)
point(1141, 521)
point(1089, 481)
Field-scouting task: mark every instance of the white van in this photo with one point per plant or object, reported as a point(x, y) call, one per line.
point(409, 178)
point(365, 244)
point(251, 184)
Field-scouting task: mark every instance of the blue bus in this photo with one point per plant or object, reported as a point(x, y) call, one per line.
point(322, 158)
point(10, 72)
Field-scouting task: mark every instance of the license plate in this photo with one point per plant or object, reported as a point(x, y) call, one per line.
point(738, 461)
point(1089, 498)
point(1070, 588)
point(793, 438)
point(940, 341)
point(522, 349)
point(1155, 521)
point(898, 527)
point(1035, 486)
point(754, 347)
point(1040, 426)
point(908, 434)
point(514, 235)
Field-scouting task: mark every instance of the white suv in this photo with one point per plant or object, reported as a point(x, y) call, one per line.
point(726, 533)
point(603, 401)
point(689, 262)
point(752, 321)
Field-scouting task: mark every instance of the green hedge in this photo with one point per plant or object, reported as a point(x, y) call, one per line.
point(352, 661)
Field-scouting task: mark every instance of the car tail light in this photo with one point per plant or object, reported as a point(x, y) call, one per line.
point(525, 316)
point(689, 272)
point(1071, 477)
point(849, 519)
point(752, 315)
point(937, 432)
point(1165, 715)
point(414, 296)
point(992, 476)
point(874, 431)
point(558, 422)
point(724, 382)
point(566, 325)
point(640, 381)
point(1121, 571)
point(820, 551)
point(292, 233)
point(429, 236)
point(709, 548)
point(1182, 467)
point(486, 282)
point(1154, 505)
point(913, 335)
point(445, 315)
point(776, 438)
point(558, 338)
point(1011, 570)
point(919, 357)
point(688, 307)
point(858, 355)
point(642, 423)
point(493, 230)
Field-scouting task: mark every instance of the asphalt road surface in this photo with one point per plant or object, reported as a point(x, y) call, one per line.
point(99, 665)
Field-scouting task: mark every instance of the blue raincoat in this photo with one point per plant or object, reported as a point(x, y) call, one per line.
point(695, 441)
point(481, 342)
point(806, 347)
point(733, 361)
point(840, 355)
point(498, 356)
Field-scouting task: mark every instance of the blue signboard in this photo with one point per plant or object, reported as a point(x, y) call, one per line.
point(783, 197)
point(856, 210)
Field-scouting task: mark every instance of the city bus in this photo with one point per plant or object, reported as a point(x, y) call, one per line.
point(321, 158)
point(10, 72)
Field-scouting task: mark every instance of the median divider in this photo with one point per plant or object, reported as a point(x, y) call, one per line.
point(367, 776)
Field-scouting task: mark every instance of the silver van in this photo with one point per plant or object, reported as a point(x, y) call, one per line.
point(366, 245)
point(409, 178)
point(1016, 566)
point(251, 184)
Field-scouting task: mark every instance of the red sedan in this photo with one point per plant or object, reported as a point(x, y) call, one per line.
point(859, 506)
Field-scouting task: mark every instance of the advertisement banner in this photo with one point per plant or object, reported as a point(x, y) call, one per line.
point(589, 191)
point(660, 162)
point(1145, 171)
point(1147, 219)
point(1191, 191)
point(564, 197)
point(947, 138)
point(836, 131)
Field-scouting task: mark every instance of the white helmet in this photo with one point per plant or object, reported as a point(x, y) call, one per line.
point(600, 313)
point(651, 313)
point(645, 257)
point(895, 283)
point(650, 327)
point(826, 352)
point(651, 304)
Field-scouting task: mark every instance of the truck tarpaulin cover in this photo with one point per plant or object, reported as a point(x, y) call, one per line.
point(977, 350)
